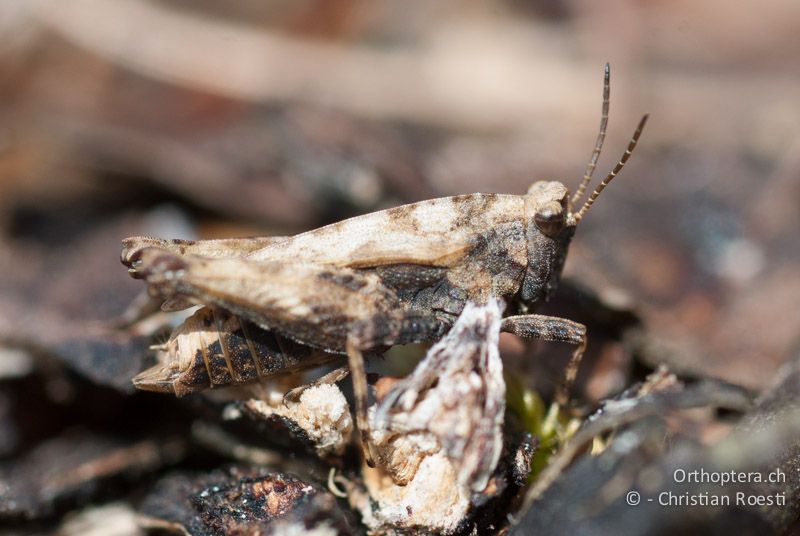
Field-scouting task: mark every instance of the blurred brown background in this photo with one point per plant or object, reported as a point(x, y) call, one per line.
point(203, 119)
point(207, 119)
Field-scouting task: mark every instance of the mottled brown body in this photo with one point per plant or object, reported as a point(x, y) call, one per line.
point(214, 348)
point(395, 276)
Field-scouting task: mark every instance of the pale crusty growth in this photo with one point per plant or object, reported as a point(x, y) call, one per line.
point(437, 434)
point(453, 401)
point(431, 503)
point(298, 528)
point(321, 411)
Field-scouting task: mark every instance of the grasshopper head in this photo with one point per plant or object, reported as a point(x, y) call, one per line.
point(550, 226)
point(551, 215)
point(548, 209)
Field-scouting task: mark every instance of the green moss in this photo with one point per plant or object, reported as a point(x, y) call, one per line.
point(551, 425)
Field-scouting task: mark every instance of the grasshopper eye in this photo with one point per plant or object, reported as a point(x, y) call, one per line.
point(550, 219)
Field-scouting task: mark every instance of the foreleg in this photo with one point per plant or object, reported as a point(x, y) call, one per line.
point(552, 328)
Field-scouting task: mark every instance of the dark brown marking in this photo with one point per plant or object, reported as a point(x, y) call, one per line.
point(347, 281)
point(401, 216)
point(202, 353)
point(470, 208)
point(249, 339)
point(223, 347)
point(409, 276)
point(267, 352)
point(218, 367)
point(447, 298)
point(165, 263)
point(240, 356)
point(195, 378)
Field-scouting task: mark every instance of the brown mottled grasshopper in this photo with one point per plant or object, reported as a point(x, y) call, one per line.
point(396, 276)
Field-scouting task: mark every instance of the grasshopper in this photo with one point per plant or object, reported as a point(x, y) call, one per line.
point(397, 276)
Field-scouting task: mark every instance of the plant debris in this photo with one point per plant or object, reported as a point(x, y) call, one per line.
point(240, 500)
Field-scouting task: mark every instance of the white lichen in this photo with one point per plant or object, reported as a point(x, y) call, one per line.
point(322, 412)
point(437, 434)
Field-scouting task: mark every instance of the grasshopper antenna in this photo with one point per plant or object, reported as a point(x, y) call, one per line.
point(600, 187)
point(601, 136)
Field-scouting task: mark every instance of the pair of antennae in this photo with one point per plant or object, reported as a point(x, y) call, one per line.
point(598, 146)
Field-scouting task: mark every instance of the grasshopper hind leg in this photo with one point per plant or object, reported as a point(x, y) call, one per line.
point(355, 360)
point(383, 333)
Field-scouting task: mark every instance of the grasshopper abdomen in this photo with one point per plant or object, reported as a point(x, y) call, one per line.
point(214, 348)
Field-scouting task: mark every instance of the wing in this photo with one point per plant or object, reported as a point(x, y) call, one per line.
point(133, 246)
point(437, 232)
point(226, 247)
point(315, 305)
